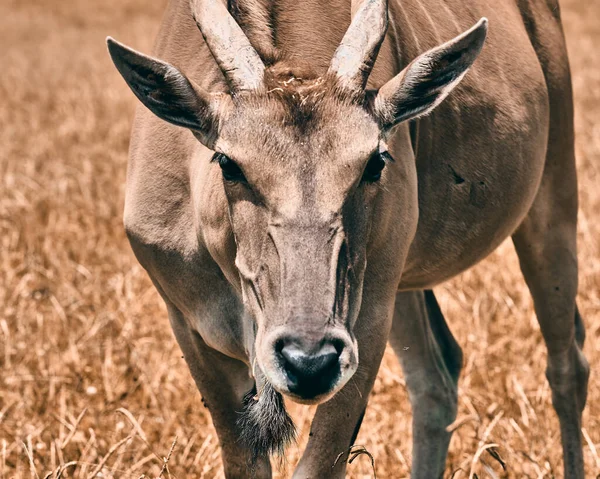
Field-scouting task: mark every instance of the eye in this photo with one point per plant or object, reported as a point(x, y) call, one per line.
point(231, 171)
point(374, 167)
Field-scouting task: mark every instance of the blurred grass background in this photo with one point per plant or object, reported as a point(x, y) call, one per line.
point(92, 383)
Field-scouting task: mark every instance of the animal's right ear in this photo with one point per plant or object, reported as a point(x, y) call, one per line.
point(167, 92)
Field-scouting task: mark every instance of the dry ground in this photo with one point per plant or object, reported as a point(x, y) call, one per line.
point(91, 380)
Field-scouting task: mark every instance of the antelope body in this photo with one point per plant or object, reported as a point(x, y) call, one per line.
point(299, 182)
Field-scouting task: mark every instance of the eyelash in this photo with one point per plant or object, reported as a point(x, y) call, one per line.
point(230, 170)
point(375, 166)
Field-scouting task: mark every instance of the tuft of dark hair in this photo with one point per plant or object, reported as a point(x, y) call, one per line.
point(265, 426)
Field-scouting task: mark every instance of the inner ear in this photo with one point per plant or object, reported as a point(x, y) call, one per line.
point(167, 92)
point(426, 81)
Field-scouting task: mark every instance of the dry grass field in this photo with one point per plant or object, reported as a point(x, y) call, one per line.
point(92, 383)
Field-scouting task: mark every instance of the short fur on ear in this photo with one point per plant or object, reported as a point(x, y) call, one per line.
point(165, 91)
point(428, 79)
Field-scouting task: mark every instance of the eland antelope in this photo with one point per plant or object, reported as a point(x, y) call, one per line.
point(305, 171)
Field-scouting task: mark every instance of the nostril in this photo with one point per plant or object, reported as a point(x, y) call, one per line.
point(279, 345)
point(326, 362)
point(339, 346)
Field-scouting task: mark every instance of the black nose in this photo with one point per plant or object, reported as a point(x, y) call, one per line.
point(310, 371)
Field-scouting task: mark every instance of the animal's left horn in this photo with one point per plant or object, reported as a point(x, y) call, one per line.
point(354, 58)
point(235, 55)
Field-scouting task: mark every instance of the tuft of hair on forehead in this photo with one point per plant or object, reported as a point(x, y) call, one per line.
point(297, 80)
point(300, 78)
point(305, 94)
point(265, 427)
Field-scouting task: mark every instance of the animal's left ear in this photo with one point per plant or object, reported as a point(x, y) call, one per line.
point(428, 79)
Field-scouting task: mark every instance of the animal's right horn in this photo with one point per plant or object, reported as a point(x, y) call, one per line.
point(353, 60)
point(237, 58)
